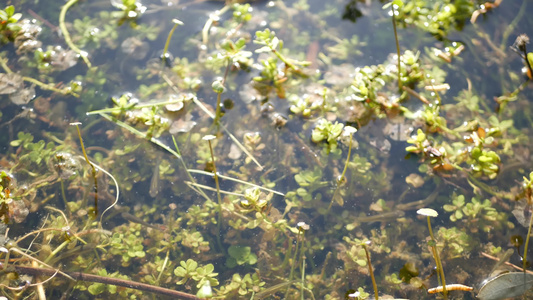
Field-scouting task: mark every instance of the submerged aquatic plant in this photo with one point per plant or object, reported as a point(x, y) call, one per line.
point(169, 223)
point(429, 213)
point(202, 275)
point(9, 26)
point(370, 270)
point(240, 255)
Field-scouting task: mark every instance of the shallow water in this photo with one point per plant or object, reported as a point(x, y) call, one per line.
point(177, 214)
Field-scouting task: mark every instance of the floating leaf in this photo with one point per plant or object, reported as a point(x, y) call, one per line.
point(522, 212)
point(10, 83)
point(181, 126)
point(23, 96)
point(506, 285)
point(414, 180)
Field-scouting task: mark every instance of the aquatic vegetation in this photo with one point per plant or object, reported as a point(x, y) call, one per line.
point(243, 285)
point(96, 289)
point(348, 130)
point(130, 11)
point(370, 270)
point(273, 44)
point(433, 244)
point(527, 184)
point(240, 255)
point(476, 211)
point(8, 24)
point(327, 131)
point(394, 5)
point(91, 33)
point(278, 110)
point(309, 182)
point(202, 275)
point(455, 242)
point(127, 246)
point(436, 19)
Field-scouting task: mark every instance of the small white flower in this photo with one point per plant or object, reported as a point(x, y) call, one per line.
point(427, 212)
point(209, 137)
point(302, 226)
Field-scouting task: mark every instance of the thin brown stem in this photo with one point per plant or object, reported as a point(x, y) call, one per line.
point(106, 280)
point(95, 212)
point(371, 271)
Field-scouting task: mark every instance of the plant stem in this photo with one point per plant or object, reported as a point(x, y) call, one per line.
point(283, 59)
point(527, 243)
point(303, 277)
point(63, 195)
point(136, 106)
point(371, 271)
point(293, 265)
point(165, 262)
point(397, 49)
point(3, 64)
point(219, 96)
point(33, 259)
point(285, 260)
point(341, 179)
point(236, 180)
point(437, 260)
point(50, 87)
point(167, 43)
point(215, 174)
point(212, 18)
point(42, 85)
point(302, 258)
point(217, 112)
point(219, 222)
point(92, 167)
point(64, 30)
point(509, 29)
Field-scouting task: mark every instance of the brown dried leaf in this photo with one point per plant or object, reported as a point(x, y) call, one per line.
point(10, 83)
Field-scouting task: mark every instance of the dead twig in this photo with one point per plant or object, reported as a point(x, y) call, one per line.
point(507, 263)
point(107, 280)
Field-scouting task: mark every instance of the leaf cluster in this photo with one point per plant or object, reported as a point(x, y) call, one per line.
point(9, 27)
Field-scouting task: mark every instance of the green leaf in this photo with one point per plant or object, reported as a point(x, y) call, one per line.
point(263, 49)
point(449, 208)
point(10, 10)
point(398, 3)
point(530, 58)
point(96, 289)
point(240, 43)
point(15, 143)
point(387, 5)
point(231, 262)
point(15, 18)
point(209, 268)
point(252, 259)
point(242, 255)
point(190, 265)
point(180, 272)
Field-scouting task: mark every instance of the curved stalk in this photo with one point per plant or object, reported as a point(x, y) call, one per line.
point(66, 34)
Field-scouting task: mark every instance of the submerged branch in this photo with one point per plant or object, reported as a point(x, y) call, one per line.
point(107, 280)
